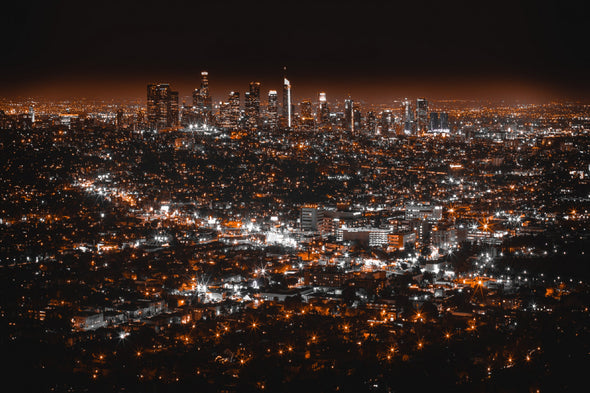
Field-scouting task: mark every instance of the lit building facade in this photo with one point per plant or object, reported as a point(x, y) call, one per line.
point(349, 115)
point(202, 100)
point(273, 110)
point(421, 115)
point(287, 117)
point(162, 106)
point(252, 106)
point(323, 114)
point(408, 118)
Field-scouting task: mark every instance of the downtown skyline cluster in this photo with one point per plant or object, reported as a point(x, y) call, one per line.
point(165, 112)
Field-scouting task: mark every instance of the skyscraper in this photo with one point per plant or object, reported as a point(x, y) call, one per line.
point(439, 122)
point(273, 109)
point(349, 115)
point(434, 122)
point(444, 122)
point(162, 106)
point(356, 118)
point(234, 109)
point(386, 122)
point(421, 115)
point(408, 118)
point(252, 105)
point(306, 113)
point(224, 118)
point(287, 117)
point(202, 100)
point(371, 121)
point(173, 110)
point(323, 111)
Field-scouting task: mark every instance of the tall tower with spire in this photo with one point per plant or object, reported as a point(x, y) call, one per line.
point(287, 114)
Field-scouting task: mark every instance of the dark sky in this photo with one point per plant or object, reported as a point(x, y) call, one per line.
point(373, 51)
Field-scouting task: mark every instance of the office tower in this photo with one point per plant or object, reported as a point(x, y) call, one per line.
point(444, 122)
point(356, 118)
point(421, 115)
point(224, 120)
point(408, 118)
point(386, 122)
point(434, 122)
point(323, 111)
point(306, 113)
point(252, 105)
point(32, 114)
point(206, 97)
point(173, 110)
point(371, 120)
point(189, 116)
point(306, 110)
point(309, 217)
point(273, 109)
point(439, 122)
point(234, 109)
point(287, 117)
point(162, 106)
point(249, 116)
point(348, 115)
point(202, 100)
point(197, 102)
point(156, 112)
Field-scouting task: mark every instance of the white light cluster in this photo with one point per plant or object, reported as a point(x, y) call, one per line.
point(279, 238)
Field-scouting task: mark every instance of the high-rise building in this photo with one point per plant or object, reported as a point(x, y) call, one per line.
point(225, 118)
point(309, 217)
point(421, 115)
point(273, 109)
point(408, 118)
point(371, 123)
point(173, 110)
point(156, 112)
point(349, 115)
point(162, 106)
point(356, 118)
point(234, 109)
point(252, 105)
point(439, 122)
point(188, 115)
point(202, 100)
point(434, 122)
point(323, 111)
point(306, 109)
point(287, 117)
point(444, 122)
point(306, 114)
point(386, 122)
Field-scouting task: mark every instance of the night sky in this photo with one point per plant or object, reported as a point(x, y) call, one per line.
point(373, 51)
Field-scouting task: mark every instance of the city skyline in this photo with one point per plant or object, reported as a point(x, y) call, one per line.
point(510, 90)
point(298, 196)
